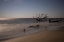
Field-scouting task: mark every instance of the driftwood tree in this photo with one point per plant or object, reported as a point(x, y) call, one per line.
point(40, 18)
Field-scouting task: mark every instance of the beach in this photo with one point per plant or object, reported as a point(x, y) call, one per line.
point(46, 32)
point(44, 36)
point(31, 20)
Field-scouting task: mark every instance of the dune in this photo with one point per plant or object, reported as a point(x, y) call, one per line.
point(44, 36)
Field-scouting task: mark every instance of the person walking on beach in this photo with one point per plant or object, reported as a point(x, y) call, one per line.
point(45, 28)
point(24, 30)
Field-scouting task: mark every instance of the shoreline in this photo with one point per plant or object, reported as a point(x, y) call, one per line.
point(53, 35)
point(42, 29)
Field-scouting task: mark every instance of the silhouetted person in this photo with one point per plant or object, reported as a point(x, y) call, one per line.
point(45, 28)
point(24, 30)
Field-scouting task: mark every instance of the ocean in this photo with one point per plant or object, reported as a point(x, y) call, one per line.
point(23, 20)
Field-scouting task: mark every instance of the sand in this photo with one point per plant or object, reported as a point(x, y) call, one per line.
point(44, 36)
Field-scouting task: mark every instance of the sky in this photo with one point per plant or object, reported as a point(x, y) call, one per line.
point(30, 8)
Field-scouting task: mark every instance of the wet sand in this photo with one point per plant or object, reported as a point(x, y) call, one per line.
point(44, 36)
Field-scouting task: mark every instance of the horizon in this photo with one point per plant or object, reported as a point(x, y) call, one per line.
point(19, 18)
